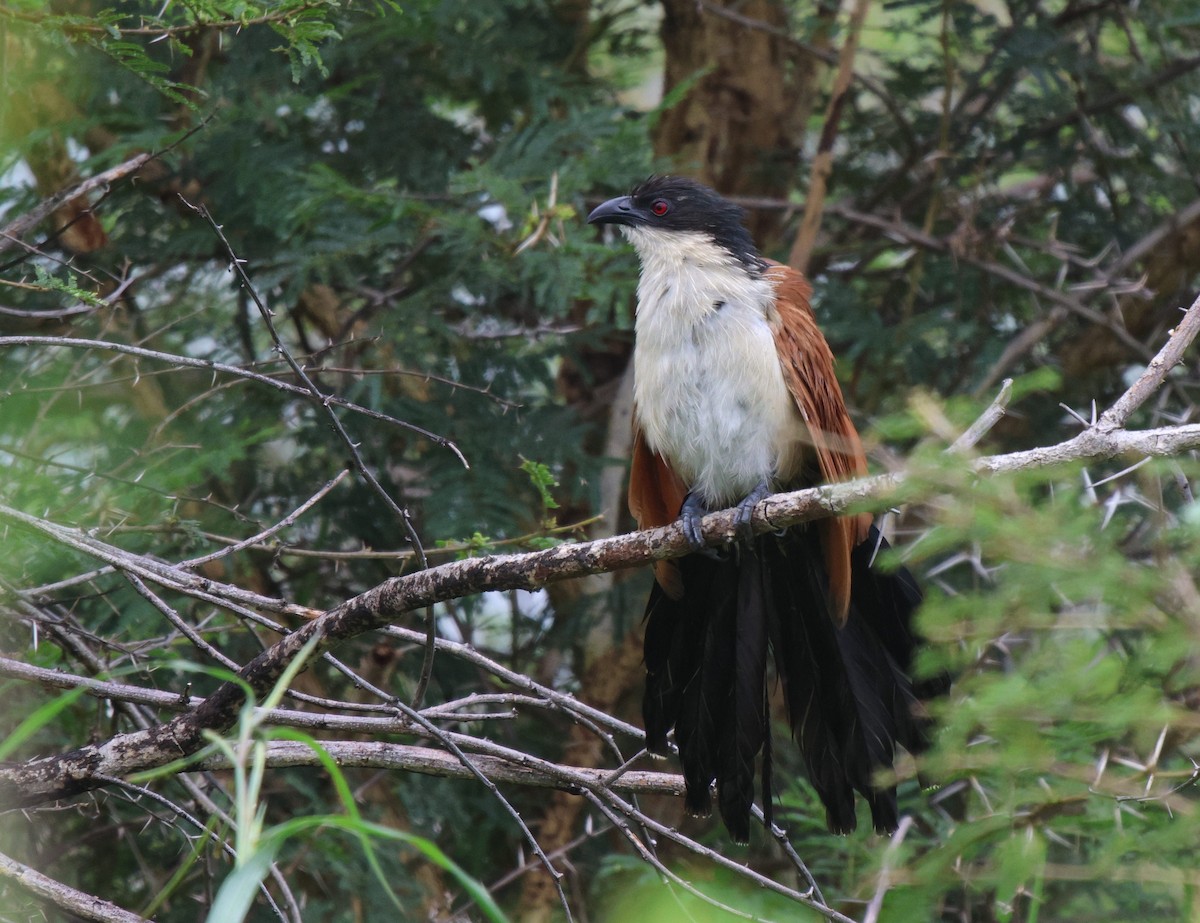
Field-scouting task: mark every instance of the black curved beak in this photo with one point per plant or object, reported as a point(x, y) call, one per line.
point(620, 210)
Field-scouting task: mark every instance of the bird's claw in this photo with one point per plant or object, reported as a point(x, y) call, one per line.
point(745, 512)
point(690, 516)
point(694, 510)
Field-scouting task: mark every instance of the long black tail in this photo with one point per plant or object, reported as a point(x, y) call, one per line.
point(848, 694)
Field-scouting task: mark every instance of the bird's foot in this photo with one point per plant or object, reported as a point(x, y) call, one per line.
point(745, 511)
point(693, 511)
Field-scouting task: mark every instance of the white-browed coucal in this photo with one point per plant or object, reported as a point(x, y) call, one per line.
point(736, 397)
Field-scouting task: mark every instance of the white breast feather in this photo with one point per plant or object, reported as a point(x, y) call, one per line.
point(708, 386)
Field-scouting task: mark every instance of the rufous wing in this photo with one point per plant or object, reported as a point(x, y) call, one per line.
point(807, 364)
point(655, 495)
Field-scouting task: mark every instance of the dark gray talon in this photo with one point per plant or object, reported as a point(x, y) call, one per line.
point(694, 510)
point(745, 511)
point(690, 515)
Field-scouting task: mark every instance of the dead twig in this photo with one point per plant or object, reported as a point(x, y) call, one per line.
point(989, 418)
point(74, 902)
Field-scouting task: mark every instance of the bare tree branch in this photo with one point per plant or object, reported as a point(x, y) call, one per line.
point(12, 233)
point(989, 418)
point(1156, 372)
point(226, 369)
point(287, 520)
point(428, 761)
point(64, 897)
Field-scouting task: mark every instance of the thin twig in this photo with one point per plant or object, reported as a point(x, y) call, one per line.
point(717, 858)
point(210, 365)
point(374, 754)
point(780, 836)
point(514, 873)
point(1156, 371)
point(902, 231)
point(540, 696)
point(287, 520)
point(1021, 344)
point(139, 791)
point(646, 854)
point(180, 625)
point(325, 554)
point(11, 234)
point(1155, 238)
point(889, 857)
point(989, 418)
point(64, 897)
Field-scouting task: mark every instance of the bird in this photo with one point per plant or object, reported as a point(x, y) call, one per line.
point(736, 397)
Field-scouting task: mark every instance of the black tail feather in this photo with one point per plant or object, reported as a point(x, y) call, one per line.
point(670, 663)
point(848, 697)
point(673, 647)
point(816, 688)
point(768, 768)
point(706, 709)
point(746, 723)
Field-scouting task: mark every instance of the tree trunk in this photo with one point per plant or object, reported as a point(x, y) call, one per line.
point(740, 125)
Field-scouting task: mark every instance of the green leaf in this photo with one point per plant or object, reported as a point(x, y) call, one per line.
point(43, 716)
point(543, 481)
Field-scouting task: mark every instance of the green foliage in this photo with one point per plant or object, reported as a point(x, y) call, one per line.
point(258, 847)
point(1069, 660)
point(121, 33)
point(542, 480)
point(31, 724)
point(714, 897)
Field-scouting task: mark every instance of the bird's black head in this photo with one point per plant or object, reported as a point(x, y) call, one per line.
point(676, 203)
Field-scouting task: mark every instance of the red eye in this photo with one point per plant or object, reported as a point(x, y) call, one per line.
point(660, 207)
